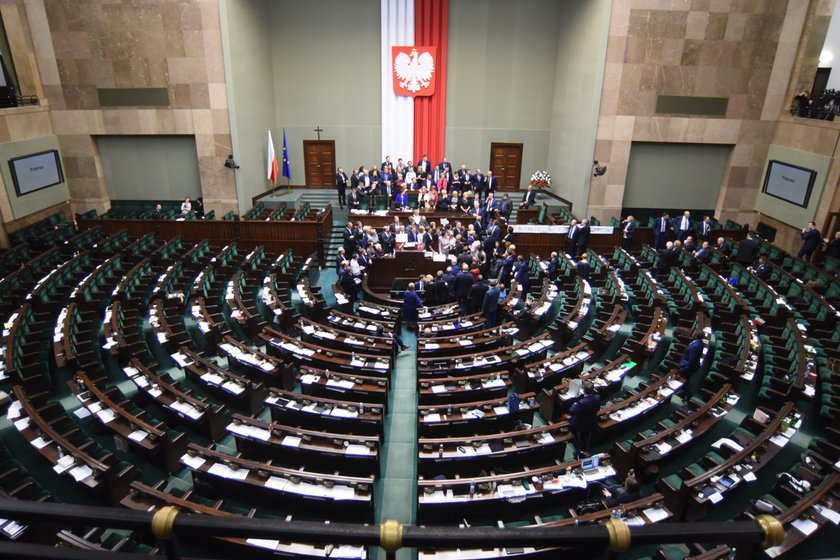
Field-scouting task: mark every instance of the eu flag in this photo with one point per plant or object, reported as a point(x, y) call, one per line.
point(287, 171)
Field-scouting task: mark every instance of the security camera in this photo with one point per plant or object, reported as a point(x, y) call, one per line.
point(599, 169)
point(230, 163)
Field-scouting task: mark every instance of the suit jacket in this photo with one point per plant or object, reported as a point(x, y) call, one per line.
point(690, 361)
point(583, 269)
point(521, 274)
point(490, 304)
point(462, 284)
point(478, 182)
point(353, 199)
point(582, 236)
point(811, 239)
point(505, 208)
point(704, 229)
point(678, 222)
point(657, 226)
point(477, 293)
point(529, 197)
point(341, 180)
point(492, 182)
point(628, 230)
point(490, 206)
point(747, 252)
point(583, 415)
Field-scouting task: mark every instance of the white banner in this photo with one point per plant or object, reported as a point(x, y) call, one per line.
point(397, 20)
point(559, 230)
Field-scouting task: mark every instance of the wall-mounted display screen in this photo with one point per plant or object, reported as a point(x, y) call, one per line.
point(34, 172)
point(790, 183)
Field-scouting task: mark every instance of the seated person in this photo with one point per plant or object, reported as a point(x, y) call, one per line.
point(630, 493)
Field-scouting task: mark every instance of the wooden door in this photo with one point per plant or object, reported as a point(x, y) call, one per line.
point(319, 163)
point(506, 164)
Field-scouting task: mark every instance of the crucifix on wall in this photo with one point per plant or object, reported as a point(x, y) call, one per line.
point(319, 130)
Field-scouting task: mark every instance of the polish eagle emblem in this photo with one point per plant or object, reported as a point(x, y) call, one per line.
point(413, 71)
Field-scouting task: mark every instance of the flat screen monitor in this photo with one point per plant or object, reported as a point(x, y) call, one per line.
point(788, 182)
point(34, 172)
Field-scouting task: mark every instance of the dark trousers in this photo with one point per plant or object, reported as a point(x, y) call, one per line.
point(464, 303)
point(580, 441)
point(342, 197)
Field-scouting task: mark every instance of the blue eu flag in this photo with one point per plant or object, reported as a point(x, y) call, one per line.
point(287, 171)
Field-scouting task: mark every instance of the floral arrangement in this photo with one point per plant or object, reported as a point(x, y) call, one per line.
point(541, 179)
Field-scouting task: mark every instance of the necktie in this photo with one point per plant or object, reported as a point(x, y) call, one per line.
point(663, 226)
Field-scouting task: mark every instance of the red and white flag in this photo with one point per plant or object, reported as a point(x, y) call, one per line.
point(273, 170)
point(414, 70)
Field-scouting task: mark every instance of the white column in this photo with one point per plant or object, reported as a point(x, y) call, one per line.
point(397, 110)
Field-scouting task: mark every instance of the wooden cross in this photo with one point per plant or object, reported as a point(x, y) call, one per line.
point(319, 130)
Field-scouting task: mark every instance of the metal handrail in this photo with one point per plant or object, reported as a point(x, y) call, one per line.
point(167, 524)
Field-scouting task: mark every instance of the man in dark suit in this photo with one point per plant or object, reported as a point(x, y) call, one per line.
point(723, 246)
point(354, 202)
point(570, 238)
point(529, 198)
point(661, 230)
point(157, 213)
point(762, 268)
point(386, 239)
point(411, 233)
point(747, 250)
point(491, 183)
point(683, 225)
point(667, 258)
point(583, 417)
point(496, 231)
point(463, 283)
point(582, 237)
point(505, 207)
point(349, 239)
point(477, 181)
point(490, 204)
point(690, 363)
point(521, 273)
point(583, 267)
point(354, 179)
point(704, 253)
point(704, 229)
point(424, 167)
point(810, 241)
point(553, 266)
point(477, 292)
point(445, 166)
point(341, 187)
point(628, 228)
point(490, 304)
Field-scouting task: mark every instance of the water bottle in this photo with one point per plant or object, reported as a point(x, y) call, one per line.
point(361, 408)
point(472, 489)
point(532, 402)
point(449, 410)
point(440, 451)
point(353, 357)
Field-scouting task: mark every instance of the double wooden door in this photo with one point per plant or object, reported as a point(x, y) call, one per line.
point(506, 164)
point(319, 163)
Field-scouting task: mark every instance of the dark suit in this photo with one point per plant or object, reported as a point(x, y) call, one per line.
point(411, 303)
point(763, 270)
point(747, 252)
point(341, 187)
point(528, 198)
point(689, 363)
point(583, 417)
point(491, 184)
point(478, 184)
point(704, 230)
point(682, 232)
point(628, 229)
point(349, 242)
point(521, 276)
point(582, 239)
point(490, 306)
point(462, 285)
point(570, 240)
point(505, 209)
point(583, 269)
point(353, 201)
point(661, 230)
point(477, 297)
point(553, 268)
point(810, 242)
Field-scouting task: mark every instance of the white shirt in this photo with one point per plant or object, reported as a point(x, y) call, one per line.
point(684, 224)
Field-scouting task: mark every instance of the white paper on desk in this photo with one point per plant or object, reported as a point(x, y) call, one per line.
point(224, 471)
point(12, 528)
point(431, 418)
point(213, 378)
point(267, 366)
point(340, 383)
point(340, 493)
point(234, 388)
point(464, 342)
point(474, 413)
point(438, 388)
point(662, 448)
point(380, 365)
point(750, 477)
point(466, 450)
point(138, 435)
point(779, 440)
point(81, 472)
point(341, 412)
point(655, 514)
point(263, 543)
point(357, 363)
point(291, 441)
point(106, 415)
point(276, 482)
point(634, 521)
point(684, 436)
point(431, 346)
point(356, 449)
point(39, 443)
point(193, 461)
point(828, 513)
point(545, 438)
point(805, 526)
point(716, 497)
point(500, 410)
point(22, 424)
point(14, 410)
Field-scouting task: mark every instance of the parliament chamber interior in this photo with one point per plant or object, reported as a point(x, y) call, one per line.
point(615, 341)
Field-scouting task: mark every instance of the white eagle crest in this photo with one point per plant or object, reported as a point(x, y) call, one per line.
point(413, 71)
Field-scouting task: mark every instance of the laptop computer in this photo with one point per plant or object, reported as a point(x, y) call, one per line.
point(590, 463)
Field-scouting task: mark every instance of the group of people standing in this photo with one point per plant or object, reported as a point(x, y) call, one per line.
point(438, 187)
